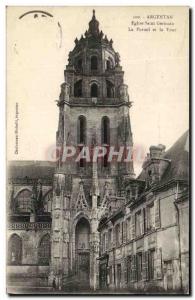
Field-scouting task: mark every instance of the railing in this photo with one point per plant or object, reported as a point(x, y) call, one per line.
point(28, 226)
point(98, 101)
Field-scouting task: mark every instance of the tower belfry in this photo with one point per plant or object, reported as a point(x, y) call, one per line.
point(94, 101)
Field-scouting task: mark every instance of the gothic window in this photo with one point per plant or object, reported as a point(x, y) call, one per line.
point(15, 250)
point(109, 89)
point(78, 89)
point(94, 90)
point(81, 130)
point(94, 63)
point(44, 250)
point(23, 201)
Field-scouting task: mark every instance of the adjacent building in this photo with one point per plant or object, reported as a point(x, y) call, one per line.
point(145, 242)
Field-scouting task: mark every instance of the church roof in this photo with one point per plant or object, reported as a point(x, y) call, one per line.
point(31, 169)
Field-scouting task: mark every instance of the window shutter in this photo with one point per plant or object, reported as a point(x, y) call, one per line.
point(147, 218)
point(125, 232)
point(134, 273)
point(106, 241)
point(157, 213)
point(145, 265)
point(158, 264)
point(125, 270)
point(133, 227)
point(114, 237)
point(142, 222)
point(120, 233)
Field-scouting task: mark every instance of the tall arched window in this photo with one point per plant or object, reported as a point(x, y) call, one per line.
point(105, 130)
point(81, 130)
point(23, 201)
point(94, 63)
point(44, 250)
point(94, 90)
point(15, 250)
point(109, 89)
point(78, 89)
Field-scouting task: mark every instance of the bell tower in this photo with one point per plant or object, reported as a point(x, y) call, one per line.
point(93, 111)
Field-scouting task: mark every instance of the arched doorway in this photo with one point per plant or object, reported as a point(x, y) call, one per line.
point(82, 238)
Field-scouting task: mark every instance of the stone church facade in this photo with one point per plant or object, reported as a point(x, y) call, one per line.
point(59, 215)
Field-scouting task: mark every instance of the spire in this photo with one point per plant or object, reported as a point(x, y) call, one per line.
point(94, 25)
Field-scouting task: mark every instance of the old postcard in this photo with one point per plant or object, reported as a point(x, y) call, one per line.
point(98, 150)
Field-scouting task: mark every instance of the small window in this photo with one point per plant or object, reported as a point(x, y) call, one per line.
point(94, 63)
point(94, 90)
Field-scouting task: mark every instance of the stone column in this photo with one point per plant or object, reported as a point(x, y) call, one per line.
point(59, 236)
point(94, 251)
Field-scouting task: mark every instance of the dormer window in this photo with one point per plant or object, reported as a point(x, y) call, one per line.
point(94, 63)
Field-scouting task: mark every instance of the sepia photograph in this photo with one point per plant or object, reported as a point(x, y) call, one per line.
point(97, 131)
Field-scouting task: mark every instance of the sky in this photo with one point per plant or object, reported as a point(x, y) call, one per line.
point(155, 65)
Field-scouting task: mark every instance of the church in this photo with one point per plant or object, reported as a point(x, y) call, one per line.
point(68, 221)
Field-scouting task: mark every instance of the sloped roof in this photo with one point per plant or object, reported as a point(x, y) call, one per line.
point(31, 169)
point(178, 154)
